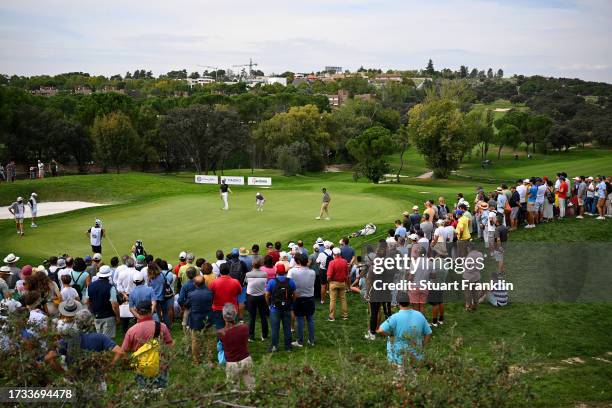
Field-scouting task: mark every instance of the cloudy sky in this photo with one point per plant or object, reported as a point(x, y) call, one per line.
point(571, 38)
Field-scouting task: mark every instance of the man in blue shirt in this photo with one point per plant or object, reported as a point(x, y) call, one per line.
point(347, 252)
point(280, 294)
point(185, 290)
point(408, 333)
point(532, 195)
point(141, 292)
point(199, 303)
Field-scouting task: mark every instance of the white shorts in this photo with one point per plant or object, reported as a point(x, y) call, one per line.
point(34, 213)
point(260, 202)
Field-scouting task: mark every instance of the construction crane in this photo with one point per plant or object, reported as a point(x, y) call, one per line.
point(210, 66)
point(251, 64)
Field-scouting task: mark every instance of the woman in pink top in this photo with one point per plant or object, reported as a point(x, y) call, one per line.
point(269, 267)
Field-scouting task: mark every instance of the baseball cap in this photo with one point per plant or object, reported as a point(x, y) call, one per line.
point(182, 255)
point(327, 244)
point(97, 257)
point(283, 255)
point(88, 258)
point(138, 276)
point(336, 251)
point(405, 213)
point(413, 237)
point(34, 195)
point(234, 251)
point(61, 263)
point(526, 181)
point(415, 207)
point(144, 306)
point(458, 213)
point(104, 272)
point(140, 258)
point(19, 198)
point(26, 270)
point(440, 222)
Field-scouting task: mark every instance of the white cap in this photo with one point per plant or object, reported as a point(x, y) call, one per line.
point(183, 255)
point(19, 198)
point(169, 267)
point(41, 268)
point(327, 244)
point(104, 272)
point(138, 276)
point(98, 221)
point(440, 222)
point(336, 251)
point(416, 207)
point(34, 195)
point(291, 245)
point(526, 181)
point(315, 246)
point(413, 237)
point(97, 257)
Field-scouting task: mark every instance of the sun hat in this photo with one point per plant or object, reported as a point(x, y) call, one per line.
point(499, 189)
point(140, 258)
point(40, 268)
point(61, 263)
point(243, 251)
point(483, 205)
point(405, 213)
point(336, 251)
point(26, 270)
point(19, 198)
point(69, 307)
point(104, 272)
point(4, 269)
point(182, 255)
point(11, 258)
point(320, 241)
point(83, 319)
point(138, 276)
point(97, 257)
point(416, 207)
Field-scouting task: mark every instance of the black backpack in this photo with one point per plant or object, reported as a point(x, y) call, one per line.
point(77, 286)
point(282, 296)
point(328, 259)
point(168, 292)
point(236, 270)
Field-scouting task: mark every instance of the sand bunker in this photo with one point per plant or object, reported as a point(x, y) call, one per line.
point(501, 109)
point(49, 208)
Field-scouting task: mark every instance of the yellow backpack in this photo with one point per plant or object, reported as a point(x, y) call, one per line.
point(146, 359)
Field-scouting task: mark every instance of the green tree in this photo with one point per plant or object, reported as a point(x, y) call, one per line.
point(115, 140)
point(429, 70)
point(437, 131)
point(402, 140)
point(538, 127)
point(369, 149)
point(508, 135)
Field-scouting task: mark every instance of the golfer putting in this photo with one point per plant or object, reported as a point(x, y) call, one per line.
point(18, 211)
point(324, 205)
point(96, 233)
point(223, 191)
point(259, 201)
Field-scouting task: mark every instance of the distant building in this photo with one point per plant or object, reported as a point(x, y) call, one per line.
point(342, 96)
point(83, 90)
point(111, 89)
point(45, 91)
point(333, 70)
point(199, 81)
point(276, 80)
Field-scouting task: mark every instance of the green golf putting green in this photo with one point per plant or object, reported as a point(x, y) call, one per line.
point(196, 223)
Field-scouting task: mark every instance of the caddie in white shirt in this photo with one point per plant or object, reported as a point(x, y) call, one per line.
point(18, 211)
point(33, 208)
point(96, 233)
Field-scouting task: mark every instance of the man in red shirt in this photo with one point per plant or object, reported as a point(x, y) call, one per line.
point(177, 267)
point(274, 251)
point(337, 274)
point(225, 289)
point(234, 338)
point(562, 196)
point(142, 332)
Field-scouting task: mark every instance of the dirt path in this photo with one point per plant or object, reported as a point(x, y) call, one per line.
point(427, 175)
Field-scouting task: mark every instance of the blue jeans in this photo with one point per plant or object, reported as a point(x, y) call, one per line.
point(162, 311)
point(276, 316)
point(300, 328)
